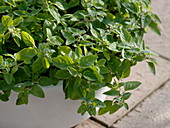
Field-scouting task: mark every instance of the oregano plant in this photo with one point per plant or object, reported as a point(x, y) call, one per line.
point(87, 44)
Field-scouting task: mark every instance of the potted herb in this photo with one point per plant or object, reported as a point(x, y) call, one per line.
point(86, 44)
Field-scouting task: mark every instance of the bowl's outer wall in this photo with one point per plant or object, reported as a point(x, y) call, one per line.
point(51, 112)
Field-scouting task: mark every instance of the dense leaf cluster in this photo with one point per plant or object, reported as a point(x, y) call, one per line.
point(84, 43)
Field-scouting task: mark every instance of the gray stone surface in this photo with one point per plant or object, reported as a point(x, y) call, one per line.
point(149, 81)
point(89, 124)
point(153, 112)
point(161, 44)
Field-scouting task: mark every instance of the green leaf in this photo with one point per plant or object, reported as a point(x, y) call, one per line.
point(87, 61)
point(14, 69)
point(62, 74)
point(4, 85)
point(124, 69)
point(62, 62)
point(45, 81)
point(1, 60)
point(106, 54)
point(27, 70)
point(156, 18)
point(112, 47)
point(125, 35)
point(37, 65)
point(61, 4)
point(37, 91)
point(92, 75)
point(130, 6)
point(8, 77)
point(146, 20)
point(101, 62)
point(17, 21)
point(126, 106)
point(82, 109)
point(112, 93)
point(4, 9)
point(154, 27)
point(46, 63)
point(19, 101)
point(104, 70)
point(126, 95)
point(131, 85)
point(4, 97)
point(24, 99)
point(7, 21)
point(64, 50)
point(106, 109)
point(27, 38)
point(55, 40)
point(73, 3)
point(54, 12)
point(152, 67)
point(114, 108)
point(70, 40)
point(72, 71)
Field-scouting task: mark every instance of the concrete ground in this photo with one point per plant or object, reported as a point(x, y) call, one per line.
point(149, 105)
point(153, 112)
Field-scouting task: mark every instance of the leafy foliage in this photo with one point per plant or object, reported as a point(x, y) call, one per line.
point(85, 43)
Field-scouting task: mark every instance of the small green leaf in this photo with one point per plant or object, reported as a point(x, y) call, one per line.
point(1, 60)
point(62, 62)
point(46, 63)
point(126, 95)
point(112, 93)
point(64, 50)
point(106, 109)
point(27, 38)
point(87, 61)
point(101, 62)
point(152, 67)
point(82, 109)
point(92, 75)
point(17, 21)
point(125, 35)
point(54, 12)
point(45, 81)
point(37, 91)
point(19, 101)
point(8, 77)
point(27, 70)
point(146, 20)
point(114, 108)
point(124, 69)
point(106, 54)
point(61, 4)
point(14, 69)
point(7, 21)
point(70, 40)
point(62, 74)
point(72, 71)
point(130, 6)
point(4, 9)
point(126, 106)
point(26, 54)
point(154, 27)
point(131, 85)
point(37, 65)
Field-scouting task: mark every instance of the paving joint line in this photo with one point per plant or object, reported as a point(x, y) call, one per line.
point(99, 122)
point(164, 57)
point(162, 85)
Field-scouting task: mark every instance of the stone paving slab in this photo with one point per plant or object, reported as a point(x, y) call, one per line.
point(161, 44)
point(149, 81)
point(153, 112)
point(89, 124)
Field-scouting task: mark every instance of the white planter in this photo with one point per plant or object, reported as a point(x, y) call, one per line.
point(51, 112)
